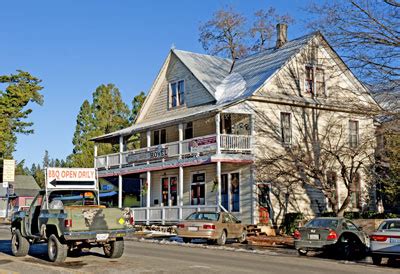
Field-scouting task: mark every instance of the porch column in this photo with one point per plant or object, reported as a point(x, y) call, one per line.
point(218, 131)
point(148, 137)
point(120, 191)
point(180, 131)
point(121, 149)
point(219, 185)
point(180, 198)
point(95, 155)
point(148, 179)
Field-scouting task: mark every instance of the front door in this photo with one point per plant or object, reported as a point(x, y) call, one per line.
point(32, 223)
point(169, 191)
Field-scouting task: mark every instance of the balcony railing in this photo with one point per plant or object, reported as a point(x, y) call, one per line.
point(203, 145)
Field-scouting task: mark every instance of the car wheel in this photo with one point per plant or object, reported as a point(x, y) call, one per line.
point(19, 245)
point(302, 252)
point(242, 237)
point(56, 250)
point(222, 238)
point(376, 260)
point(114, 249)
point(349, 248)
point(186, 240)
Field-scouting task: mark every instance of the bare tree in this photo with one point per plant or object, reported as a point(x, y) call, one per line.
point(224, 34)
point(264, 29)
point(366, 32)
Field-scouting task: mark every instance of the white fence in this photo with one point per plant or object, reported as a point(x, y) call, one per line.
point(171, 214)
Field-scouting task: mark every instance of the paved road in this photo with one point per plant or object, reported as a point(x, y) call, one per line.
point(145, 257)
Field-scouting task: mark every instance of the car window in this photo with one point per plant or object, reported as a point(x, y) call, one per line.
point(72, 197)
point(390, 225)
point(324, 223)
point(204, 216)
point(349, 225)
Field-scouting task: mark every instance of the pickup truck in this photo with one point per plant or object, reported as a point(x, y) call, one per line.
point(68, 216)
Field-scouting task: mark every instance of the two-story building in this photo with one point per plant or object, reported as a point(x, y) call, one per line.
point(203, 123)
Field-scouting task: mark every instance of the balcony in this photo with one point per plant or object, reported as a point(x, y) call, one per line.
point(186, 149)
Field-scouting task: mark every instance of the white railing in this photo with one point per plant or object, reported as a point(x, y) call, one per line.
point(199, 145)
point(167, 214)
point(235, 142)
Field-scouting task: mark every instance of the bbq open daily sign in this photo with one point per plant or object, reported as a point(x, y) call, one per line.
point(71, 174)
point(8, 170)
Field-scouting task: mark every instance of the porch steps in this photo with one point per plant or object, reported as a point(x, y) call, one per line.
point(254, 230)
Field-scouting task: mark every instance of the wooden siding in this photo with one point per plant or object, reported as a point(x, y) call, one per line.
point(195, 93)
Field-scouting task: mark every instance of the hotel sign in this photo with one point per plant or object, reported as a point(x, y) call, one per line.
point(153, 154)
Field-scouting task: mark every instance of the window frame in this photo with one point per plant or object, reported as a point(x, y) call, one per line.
point(179, 96)
point(161, 137)
point(169, 177)
point(187, 127)
point(198, 183)
point(290, 131)
point(354, 143)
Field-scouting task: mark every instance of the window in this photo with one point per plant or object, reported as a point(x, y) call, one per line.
point(286, 128)
point(356, 191)
point(159, 137)
point(353, 134)
point(177, 94)
point(314, 74)
point(197, 189)
point(309, 80)
point(319, 81)
point(235, 194)
point(188, 131)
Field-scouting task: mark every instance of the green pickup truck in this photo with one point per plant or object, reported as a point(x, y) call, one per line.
point(68, 216)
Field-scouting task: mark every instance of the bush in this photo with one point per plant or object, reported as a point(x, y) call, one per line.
point(291, 222)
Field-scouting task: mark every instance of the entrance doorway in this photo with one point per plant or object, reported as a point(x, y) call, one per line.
point(169, 191)
point(230, 191)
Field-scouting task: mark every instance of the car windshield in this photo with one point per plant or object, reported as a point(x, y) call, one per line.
point(390, 225)
point(203, 216)
point(323, 223)
point(72, 198)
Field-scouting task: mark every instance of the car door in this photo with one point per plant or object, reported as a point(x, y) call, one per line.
point(236, 226)
point(227, 223)
point(32, 218)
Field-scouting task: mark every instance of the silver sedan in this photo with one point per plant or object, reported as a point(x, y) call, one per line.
point(385, 242)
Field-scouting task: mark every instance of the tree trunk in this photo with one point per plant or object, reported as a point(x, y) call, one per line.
point(342, 209)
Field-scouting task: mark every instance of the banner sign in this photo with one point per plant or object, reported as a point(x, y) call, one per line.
point(203, 144)
point(8, 170)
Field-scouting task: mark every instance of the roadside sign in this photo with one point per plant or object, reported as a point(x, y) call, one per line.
point(57, 177)
point(8, 170)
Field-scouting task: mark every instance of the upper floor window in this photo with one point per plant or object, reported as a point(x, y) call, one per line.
point(286, 128)
point(177, 94)
point(353, 134)
point(159, 137)
point(315, 80)
point(188, 131)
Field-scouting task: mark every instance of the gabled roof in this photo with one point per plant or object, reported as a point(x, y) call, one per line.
point(25, 185)
point(209, 70)
point(248, 75)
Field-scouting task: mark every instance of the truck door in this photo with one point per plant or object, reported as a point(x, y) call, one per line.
point(32, 222)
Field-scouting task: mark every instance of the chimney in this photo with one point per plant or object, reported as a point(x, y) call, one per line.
point(281, 32)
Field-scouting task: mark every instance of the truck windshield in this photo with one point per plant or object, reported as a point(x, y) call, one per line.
point(73, 197)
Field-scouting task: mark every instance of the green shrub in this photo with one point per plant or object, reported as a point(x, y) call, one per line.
point(291, 222)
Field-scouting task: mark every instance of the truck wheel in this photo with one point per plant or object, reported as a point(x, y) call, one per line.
point(19, 245)
point(56, 250)
point(114, 249)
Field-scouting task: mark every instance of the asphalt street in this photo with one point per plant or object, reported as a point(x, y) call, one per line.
point(150, 257)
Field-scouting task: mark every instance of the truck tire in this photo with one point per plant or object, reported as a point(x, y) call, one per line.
point(19, 245)
point(114, 249)
point(56, 250)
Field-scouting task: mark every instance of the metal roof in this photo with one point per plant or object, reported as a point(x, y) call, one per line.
point(247, 76)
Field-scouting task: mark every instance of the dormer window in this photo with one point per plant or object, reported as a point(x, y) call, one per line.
point(176, 94)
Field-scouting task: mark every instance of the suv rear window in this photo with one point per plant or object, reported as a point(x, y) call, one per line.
point(323, 223)
point(203, 216)
point(390, 225)
point(73, 197)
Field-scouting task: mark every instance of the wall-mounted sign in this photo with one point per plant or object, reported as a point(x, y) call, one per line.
point(153, 154)
point(8, 170)
point(203, 144)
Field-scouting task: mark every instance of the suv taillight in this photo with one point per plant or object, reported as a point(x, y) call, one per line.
point(131, 220)
point(332, 235)
point(180, 225)
point(297, 235)
point(68, 222)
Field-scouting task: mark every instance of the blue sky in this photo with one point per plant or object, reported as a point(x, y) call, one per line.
point(74, 46)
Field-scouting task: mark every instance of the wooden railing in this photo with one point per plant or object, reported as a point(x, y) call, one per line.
point(195, 146)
